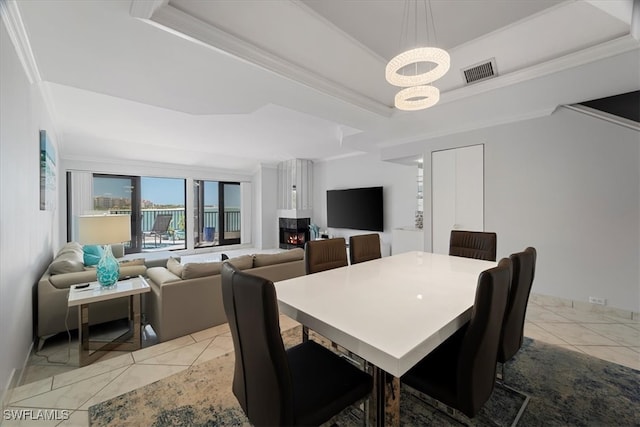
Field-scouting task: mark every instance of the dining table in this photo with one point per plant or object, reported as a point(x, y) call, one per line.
point(391, 312)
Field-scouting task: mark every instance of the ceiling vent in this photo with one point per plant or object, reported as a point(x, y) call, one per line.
point(482, 71)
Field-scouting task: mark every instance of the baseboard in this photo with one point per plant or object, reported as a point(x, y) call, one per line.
point(14, 380)
point(551, 301)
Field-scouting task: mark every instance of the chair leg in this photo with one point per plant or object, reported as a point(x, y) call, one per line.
point(520, 393)
point(500, 382)
point(445, 410)
point(456, 415)
point(305, 333)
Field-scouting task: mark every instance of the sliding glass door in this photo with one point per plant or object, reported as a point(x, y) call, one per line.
point(156, 205)
point(217, 213)
point(159, 220)
point(230, 217)
point(116, 194)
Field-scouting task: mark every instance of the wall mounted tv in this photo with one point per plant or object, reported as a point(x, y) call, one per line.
point(355, 208)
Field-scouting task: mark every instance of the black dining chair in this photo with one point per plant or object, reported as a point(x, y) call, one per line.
point(322, 255)
point(460, 373)
point(364, 247)
point(473, 244)
point(524, 267)
point(305, 385)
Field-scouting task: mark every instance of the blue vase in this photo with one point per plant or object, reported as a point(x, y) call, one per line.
point(108, 269)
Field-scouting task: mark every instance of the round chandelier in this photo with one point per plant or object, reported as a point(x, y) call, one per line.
point(414, 56)
point(417, 98)
point(417, 93)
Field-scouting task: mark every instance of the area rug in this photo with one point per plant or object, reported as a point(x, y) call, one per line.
point(567, 389)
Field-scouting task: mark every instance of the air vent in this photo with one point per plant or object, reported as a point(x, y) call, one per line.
point(482, 71)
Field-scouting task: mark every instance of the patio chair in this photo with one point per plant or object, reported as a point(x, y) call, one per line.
point(160, 228)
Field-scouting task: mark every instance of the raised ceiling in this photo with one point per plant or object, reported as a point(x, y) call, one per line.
point(233, 84)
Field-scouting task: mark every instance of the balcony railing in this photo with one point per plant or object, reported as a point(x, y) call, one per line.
point(232, 218)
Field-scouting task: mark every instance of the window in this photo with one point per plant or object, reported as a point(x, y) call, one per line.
point(158, 209)
point(163, 213)
point(156, 205)
point(216, 213)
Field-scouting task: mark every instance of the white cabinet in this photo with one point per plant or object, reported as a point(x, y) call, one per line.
point(457, 193)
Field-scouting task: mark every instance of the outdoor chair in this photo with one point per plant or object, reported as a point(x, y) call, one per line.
point(159, 229)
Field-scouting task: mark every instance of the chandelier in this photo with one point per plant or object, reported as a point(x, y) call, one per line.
point(418, 92)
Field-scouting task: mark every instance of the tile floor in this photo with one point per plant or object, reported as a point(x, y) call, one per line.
point(66, 391)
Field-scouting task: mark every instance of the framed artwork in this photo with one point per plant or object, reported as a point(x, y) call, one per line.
point(47, 173)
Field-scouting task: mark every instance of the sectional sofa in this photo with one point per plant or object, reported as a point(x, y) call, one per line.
point(188, 298)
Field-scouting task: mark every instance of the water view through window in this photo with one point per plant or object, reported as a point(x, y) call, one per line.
point(156, 206)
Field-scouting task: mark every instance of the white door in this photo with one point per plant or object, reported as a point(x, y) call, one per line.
point(457, 193)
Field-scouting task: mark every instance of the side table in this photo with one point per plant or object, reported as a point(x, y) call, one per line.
point(130, 340)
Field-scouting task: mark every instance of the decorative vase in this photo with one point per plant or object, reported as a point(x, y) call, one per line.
point(108, 269)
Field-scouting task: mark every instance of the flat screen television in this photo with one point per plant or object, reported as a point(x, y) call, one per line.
point(355, 208)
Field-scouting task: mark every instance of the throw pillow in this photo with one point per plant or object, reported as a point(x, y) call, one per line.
point(130, 262)
point(70, 247)
point(69, 262)
point(261, 260)
point(242, 262)
point(193, 270)
point(174, 266)
point(91, 254)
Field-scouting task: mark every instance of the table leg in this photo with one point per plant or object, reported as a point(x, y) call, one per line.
point(129, 341)
point(83, 334)
point(386, 399)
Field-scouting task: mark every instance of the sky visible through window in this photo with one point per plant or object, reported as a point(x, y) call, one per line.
point(161, 191)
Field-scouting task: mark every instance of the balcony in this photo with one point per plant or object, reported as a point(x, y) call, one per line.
point(175, 237)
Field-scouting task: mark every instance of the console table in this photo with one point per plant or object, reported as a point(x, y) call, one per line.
point(131, 340)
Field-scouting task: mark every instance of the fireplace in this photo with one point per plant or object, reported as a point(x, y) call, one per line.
point(294, 232)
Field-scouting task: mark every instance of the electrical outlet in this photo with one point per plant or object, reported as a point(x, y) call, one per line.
point(599, 301)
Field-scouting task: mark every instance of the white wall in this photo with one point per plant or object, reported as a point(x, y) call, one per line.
point(367, 170)
point(569, 185)
point(265, 219)
point(28, 236)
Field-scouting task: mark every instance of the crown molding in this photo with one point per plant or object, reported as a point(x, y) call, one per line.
point(595, 53)
point(20, 40)
point(611, 118)
point(180, 23)
point(18, 35)
point(144, 9)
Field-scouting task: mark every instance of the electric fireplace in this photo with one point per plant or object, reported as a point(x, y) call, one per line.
point(294, 232)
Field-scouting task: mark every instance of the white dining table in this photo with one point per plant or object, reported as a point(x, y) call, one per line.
point(391, 312)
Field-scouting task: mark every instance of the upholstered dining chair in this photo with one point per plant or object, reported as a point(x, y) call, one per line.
point(364, 247)
point(321, 255)
point(304, 385)
point(473, 244)
point(524, 267)
point(460, 373)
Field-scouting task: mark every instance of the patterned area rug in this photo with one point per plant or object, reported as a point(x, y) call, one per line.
point(566, 388)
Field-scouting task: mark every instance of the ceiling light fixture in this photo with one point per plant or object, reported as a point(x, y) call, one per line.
point(417, 98)
point(417, 95)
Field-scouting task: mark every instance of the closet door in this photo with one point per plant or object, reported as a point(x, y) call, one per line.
point(457, 193)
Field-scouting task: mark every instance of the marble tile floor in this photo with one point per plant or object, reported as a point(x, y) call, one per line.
point(66, 391)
